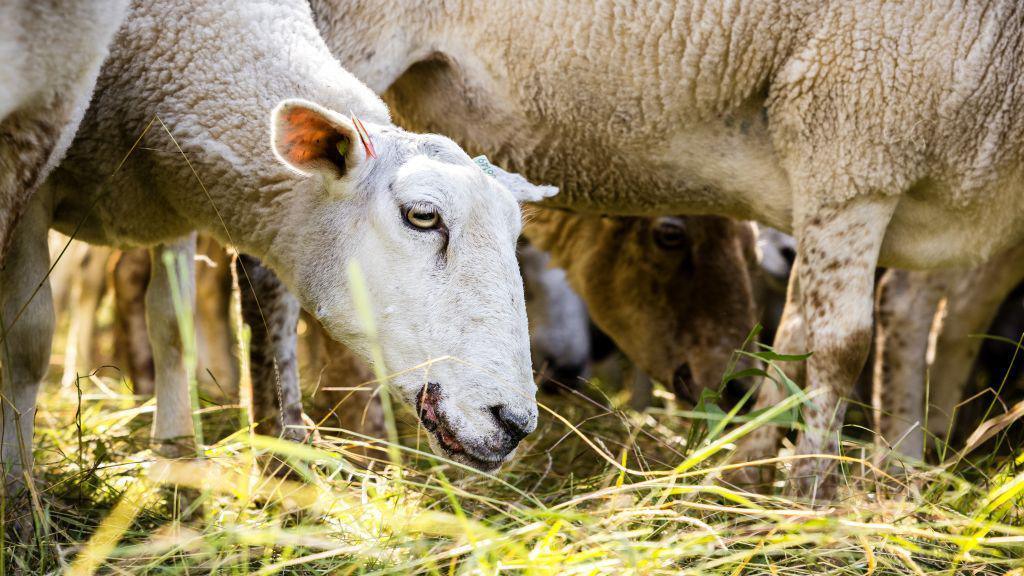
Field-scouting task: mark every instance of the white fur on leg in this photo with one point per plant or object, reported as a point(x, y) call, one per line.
point(974, 297)
point(26, 338)
point(838, 253)
point(173, 433)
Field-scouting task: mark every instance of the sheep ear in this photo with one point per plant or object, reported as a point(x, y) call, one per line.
point(313, 140)
point(521, 188)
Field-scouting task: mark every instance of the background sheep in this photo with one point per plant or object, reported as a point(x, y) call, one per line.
point(792, 117)
point(654, 286)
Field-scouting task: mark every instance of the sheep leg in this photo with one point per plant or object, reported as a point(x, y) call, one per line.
point(131, 277)
point(27, 140)
point(272, 314)
point(974, 299)
point(838, 254)
point(173, 432)
point(93, 279)
point(28, 326)
point(360, 409)
point(762, 443)
point(905, 309)
point(217, 359)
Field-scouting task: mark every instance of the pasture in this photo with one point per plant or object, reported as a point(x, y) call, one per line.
point(598, 489)
point(587, 287)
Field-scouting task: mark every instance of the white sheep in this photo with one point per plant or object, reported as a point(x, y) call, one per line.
point(875, 132)
point(309, 193)
point(50, 55)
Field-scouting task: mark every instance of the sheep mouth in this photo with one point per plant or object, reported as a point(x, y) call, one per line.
point(434, 422)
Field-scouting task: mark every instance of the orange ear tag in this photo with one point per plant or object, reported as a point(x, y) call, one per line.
point(364, 137)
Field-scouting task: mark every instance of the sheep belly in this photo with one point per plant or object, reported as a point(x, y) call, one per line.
point(933, 227)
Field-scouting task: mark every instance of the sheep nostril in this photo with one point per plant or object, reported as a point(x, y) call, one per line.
point(556, 377)
point(735, 391)
point(788, 253)
point(569, 375)
point(516, 425)
point(427, 405)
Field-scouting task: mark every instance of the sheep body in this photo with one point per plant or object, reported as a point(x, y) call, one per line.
point(875, 132)
point(232, 117)
point(725, 108)
point(151, 75)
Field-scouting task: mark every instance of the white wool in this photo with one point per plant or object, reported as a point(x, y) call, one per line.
point(876, 132)
point(761, 109)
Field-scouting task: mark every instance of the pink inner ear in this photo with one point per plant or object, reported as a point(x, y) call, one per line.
point(304, 136)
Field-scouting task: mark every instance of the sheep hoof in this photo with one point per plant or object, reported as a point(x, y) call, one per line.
point(175, 448)
point(813, 479)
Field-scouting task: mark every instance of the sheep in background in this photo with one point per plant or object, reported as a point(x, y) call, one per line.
point(794, 114)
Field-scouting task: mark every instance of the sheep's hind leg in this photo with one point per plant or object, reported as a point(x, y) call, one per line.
point(173, 431)
point(272, 314)
point(131, 340)
point(906, 307)
point(838, 249)
point(359, 408)
point(28, 326)
point(974, 300)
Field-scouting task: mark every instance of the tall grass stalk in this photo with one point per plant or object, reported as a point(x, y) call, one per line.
point(364, 309)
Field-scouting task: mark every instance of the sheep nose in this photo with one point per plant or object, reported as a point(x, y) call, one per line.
point(555, 377)
point(683, 384)
point(569, 375)
point(515, 423)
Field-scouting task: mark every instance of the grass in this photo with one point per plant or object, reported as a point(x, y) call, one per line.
point(596, 490)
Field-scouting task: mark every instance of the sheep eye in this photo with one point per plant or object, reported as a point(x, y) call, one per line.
point(423, 217)
point(670, 233)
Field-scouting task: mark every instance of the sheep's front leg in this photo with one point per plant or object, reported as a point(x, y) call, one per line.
point(764, 442)
point(359, 409)
point(272, 314)
point(28, 325)
point(173, 432)
point(838, 249)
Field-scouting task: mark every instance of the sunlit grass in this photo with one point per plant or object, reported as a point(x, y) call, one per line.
point(595, 491)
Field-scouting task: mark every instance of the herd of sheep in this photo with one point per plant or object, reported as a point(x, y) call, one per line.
point(307, 135)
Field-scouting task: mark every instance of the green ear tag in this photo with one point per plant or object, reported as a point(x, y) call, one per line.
point(342, 147)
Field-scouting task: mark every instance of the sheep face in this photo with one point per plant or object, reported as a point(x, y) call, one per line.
point(429, 237)
point(674, 293)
